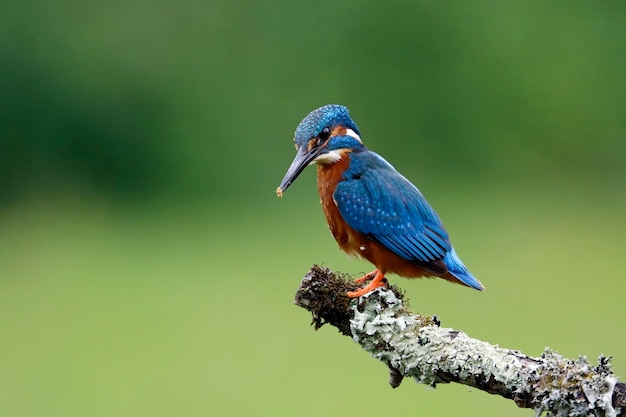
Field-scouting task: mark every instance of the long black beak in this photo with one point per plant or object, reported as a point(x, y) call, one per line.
point(302, 160)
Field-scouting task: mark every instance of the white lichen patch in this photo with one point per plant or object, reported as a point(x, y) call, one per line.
point(415, 346)
point(599, 393)
point(386, 330)
point(565, 387)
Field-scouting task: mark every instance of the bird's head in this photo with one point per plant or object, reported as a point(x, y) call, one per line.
point(322, 137)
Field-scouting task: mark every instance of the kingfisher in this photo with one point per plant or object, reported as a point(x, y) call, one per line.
point(372, 210)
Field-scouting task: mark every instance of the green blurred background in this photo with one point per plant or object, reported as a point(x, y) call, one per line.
point(147, 269)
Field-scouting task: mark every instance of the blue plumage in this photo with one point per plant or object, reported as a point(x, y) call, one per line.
point(375, 202)
point(403, 221)
point(456, 268)
point(326, 116)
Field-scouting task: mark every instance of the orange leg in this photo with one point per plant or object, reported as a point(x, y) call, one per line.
point(367, 276)
point(378, 281)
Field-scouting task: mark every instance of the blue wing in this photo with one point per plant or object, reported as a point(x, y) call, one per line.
point(378, 201)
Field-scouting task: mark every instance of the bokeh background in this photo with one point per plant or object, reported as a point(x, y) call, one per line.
point(147, 268)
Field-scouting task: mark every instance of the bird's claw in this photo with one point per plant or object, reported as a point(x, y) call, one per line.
point(379, 280)
point(366, 277)
point(368, 288)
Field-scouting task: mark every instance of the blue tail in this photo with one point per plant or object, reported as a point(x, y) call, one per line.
point(456, 268)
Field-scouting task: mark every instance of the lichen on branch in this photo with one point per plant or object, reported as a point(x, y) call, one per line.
point(416, 346)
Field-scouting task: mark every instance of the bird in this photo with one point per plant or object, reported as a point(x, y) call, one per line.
point(372, 210)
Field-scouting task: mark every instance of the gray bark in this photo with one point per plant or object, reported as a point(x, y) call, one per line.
point(416, 346)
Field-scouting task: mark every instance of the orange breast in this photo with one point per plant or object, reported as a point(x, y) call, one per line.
point(328, 176)
point(354, 242)
point(350, 240)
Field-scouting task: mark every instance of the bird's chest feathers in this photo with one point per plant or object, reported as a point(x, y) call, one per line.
point(328, 176)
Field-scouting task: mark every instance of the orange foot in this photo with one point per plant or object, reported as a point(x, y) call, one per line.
point(366, 277)
point(378, 281)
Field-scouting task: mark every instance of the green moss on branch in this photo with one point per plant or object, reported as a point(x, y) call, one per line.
point(415, 346)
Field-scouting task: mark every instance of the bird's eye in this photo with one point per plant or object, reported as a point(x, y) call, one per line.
point(324, 134)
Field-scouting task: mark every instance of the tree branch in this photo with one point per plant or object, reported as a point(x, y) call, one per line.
point(415, 346)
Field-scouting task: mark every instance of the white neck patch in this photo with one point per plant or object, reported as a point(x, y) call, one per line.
point(328, 158)
point(353, 134)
